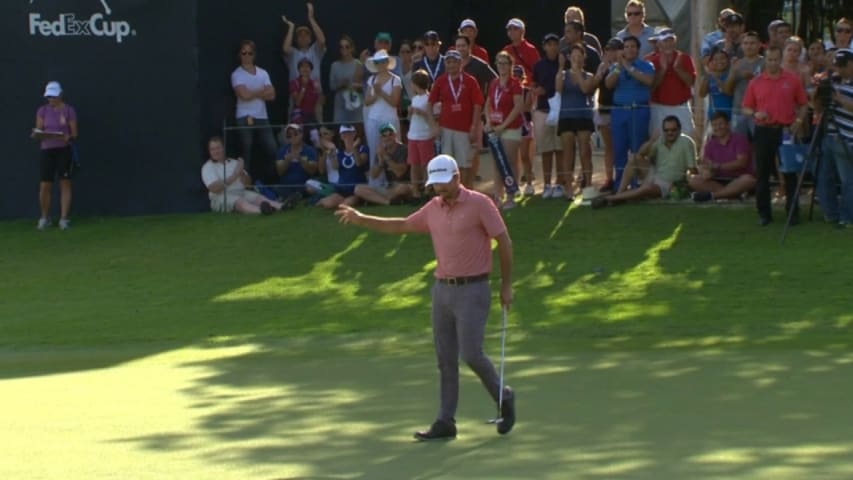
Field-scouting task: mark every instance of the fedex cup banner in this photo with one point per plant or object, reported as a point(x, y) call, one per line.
point(98, 23)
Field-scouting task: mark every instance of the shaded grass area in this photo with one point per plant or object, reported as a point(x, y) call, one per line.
point(257, 411)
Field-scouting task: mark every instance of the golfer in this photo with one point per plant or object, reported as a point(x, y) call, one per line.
point(461, 223)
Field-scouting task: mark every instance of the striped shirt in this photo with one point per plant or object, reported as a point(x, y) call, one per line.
point(843, 124)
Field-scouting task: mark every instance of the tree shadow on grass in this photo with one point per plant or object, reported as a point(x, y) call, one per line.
point(644, 414)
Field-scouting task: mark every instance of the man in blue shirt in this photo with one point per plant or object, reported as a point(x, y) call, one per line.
point(295, 163)
point(544, 76)
point(631, 80)
point(635, 16)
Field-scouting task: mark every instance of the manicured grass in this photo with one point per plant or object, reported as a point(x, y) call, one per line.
point(662, 342)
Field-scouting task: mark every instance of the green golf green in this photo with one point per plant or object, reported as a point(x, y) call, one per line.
point(663, 342)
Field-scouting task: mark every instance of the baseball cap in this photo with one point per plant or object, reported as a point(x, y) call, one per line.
point(453, 54)
point(842, 55)
point(293, 126)
point(515, 23)
point(666, 33)
point(777, 23)
point(383, 37)
point(468, 23)
point(441, 169)
point(346, 129)
point(550, 37)
point(387, 127)
point(432, 35)
point(733, 18)
point(614, 43)
point(53, 89)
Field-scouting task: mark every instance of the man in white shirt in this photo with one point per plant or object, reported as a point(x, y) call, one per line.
point(226, 182)
point(304, 48)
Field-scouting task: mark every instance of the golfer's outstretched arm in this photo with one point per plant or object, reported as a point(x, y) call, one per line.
point(505, 255)
point(348, 215)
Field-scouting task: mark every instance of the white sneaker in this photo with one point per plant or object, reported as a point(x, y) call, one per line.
point(43, 223)
point(547, 193)
point(64, 224)
point(558, 192)
point(529, 190)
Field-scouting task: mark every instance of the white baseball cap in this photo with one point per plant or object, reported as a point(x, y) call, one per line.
point(346, 129)
point(53, 89)
point(467, 23)
point(515, 22)
point(441, 169)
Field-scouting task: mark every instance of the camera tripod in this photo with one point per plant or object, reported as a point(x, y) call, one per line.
point(814, 157)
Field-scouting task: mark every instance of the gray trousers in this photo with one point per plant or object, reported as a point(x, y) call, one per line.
point(459, 315)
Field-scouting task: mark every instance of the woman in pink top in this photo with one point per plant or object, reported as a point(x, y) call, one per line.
point(462, 224)
point(56, 127)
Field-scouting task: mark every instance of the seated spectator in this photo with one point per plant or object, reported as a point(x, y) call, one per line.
point(672, 156)
point(314, 52)
point(295, 163)
point(226, 181)
point(391, 160)
point(306, 96)
point(726, 169)
point(349, 167)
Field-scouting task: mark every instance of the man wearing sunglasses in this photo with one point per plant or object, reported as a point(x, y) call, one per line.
point(432, 60)
point(665, 160)
point(843, 33)
point(635, 16)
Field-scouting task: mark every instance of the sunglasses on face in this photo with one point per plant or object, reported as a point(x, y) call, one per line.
point(843, 30)
point(634, 14)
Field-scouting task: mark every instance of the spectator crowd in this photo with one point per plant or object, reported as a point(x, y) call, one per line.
point(719, 126)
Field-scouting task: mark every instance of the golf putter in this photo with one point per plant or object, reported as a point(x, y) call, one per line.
point(499, 417)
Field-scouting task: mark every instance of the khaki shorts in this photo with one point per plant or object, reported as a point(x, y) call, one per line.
point(511, 135)
point(225, 203)
point(458, 145)
point(546, 135)
point(664, 185)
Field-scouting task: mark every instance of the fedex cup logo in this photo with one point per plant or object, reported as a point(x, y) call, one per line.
point(69, 25)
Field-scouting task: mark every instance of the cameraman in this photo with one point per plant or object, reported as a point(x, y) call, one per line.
point(836, 163)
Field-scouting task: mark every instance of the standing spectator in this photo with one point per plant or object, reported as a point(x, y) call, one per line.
point(524, 162)
point(672, 156)
point(484, 75)
point(612, 55)
point(741, 72)
point(836, 165)
point(716, 85)
point(391, 164)
point(382, 41)
point(295, 163)
point(381, 100)
point(548, 144)
point(711, 39)
point(432, 60)
point(345, 78)
point(734, 35)
point(462, 105)
point(675, 75)
point(843, 33)
point(574, 13)
point(635, 16)
point(576, 112)
point(405, 65)
point(631, 80)
point(468, 28)
point(350, 167)
point(504, 104)
point(253, 89)
point(59, 120)
point(574, 35)
point(304, 47)
point(792, 59)
point(523, 52)
point(306, 96)
point(418, 50)
point(726, 169)
point(422, 130)
point(776, 100)
point(226, 181)
point(778, 32)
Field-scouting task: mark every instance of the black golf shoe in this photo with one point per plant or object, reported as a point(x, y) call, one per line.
point(439, 430)
point(507, 412)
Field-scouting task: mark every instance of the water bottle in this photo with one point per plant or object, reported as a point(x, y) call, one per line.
point(436, 143)
point(787, 138)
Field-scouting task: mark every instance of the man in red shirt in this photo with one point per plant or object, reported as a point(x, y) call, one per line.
point(523, 52)
point(674, 78)
point(468, 28)
point(462, 224)
point(461, 112)
point(777, 101)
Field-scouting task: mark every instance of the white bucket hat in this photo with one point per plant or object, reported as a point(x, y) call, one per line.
point(379, 57)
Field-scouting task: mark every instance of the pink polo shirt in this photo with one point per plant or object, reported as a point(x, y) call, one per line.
point(461, 233)
point(779, 97)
